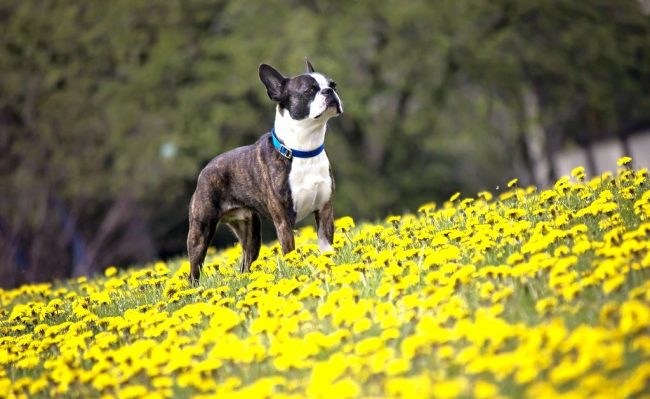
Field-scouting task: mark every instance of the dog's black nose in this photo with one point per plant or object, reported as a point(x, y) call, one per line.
point(326, 91)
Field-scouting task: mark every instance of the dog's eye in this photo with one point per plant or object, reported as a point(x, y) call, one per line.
point(312, 89)
point(333, 85)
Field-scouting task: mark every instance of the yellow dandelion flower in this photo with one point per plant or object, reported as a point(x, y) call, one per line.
point(485, 195)
point(613, 283)
point(368, 345)
point(454, 197)
point(344, 224)
point(446, 352)
point(345, 388)
point(485, 390)
point(623, 161)
point(361, 325)
point(428, 208)
point(449, 388)
point(110, 271)
point(397, 366)
point(579, 173)
point(546, 305)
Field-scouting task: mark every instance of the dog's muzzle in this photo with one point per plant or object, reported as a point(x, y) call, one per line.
point(333, 102)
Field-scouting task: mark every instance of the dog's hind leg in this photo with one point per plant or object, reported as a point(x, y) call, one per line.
point(203, 222)
point(248, 231)
point(251, 245)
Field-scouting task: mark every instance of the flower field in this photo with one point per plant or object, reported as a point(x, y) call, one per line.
point(529, 293)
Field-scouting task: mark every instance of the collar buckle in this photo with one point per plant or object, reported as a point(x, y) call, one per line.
point(285, 151)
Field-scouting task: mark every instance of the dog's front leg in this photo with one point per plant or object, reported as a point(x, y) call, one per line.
point(284, 230)
point(325, 227)
point(285, 236)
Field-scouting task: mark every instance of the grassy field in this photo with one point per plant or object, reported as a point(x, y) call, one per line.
point(529, 294)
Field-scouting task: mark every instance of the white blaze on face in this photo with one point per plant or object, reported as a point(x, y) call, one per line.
point(319, 105)
point(309, 178)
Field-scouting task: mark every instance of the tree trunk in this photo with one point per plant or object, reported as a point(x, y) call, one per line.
point(536, 139)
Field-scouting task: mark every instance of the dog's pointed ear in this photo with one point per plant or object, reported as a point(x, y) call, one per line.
point(310, 67)
point(273, 80)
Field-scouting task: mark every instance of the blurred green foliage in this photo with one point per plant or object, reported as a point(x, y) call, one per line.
point(109, 109)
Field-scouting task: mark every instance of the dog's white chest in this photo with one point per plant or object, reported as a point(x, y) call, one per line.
point(310, 183)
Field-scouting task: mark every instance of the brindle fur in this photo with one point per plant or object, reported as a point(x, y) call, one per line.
point(238, 187)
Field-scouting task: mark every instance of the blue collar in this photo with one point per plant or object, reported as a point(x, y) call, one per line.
point(290, 153)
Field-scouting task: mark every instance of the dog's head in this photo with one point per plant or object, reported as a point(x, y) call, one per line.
point(310, 95)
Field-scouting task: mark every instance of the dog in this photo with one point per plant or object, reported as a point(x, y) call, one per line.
point(284, 176)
